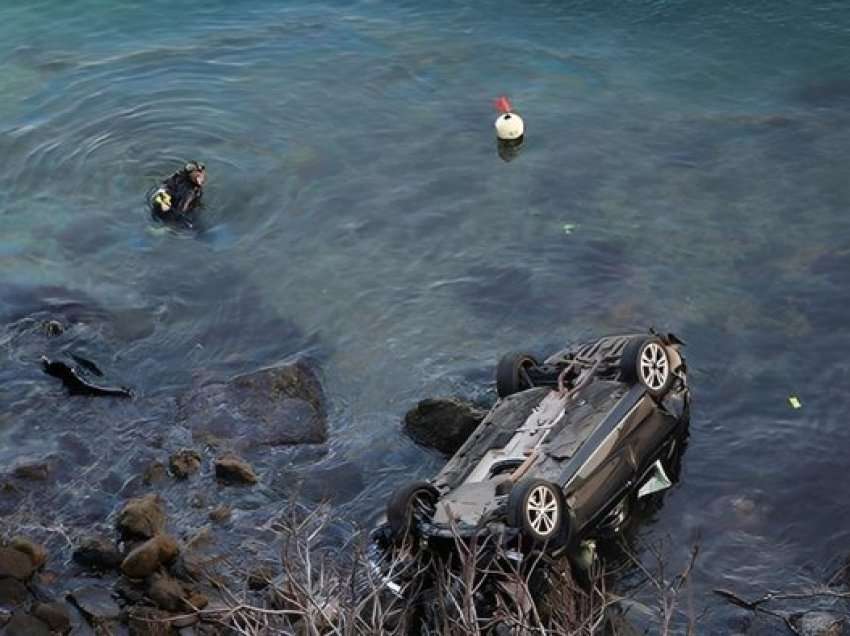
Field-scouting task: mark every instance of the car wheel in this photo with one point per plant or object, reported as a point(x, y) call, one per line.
point(645, 360)
point(512, 373)
point(536, 507)
point(418, 497)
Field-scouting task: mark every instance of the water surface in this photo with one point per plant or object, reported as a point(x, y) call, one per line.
point(357, 211)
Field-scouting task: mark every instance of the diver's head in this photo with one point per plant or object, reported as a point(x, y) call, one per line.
point(197, 172)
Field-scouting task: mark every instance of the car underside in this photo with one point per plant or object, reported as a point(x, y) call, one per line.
point(560, 457)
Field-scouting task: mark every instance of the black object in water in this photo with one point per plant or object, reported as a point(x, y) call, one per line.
point(74, 378)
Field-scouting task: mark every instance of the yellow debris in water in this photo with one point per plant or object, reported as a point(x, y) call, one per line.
point(794, 401)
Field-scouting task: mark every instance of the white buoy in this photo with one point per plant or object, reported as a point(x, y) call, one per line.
point(509, 126)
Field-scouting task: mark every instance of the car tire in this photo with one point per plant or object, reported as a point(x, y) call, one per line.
point(509, 373)
point(645, 360)
point(536, 507)
point(404, 503)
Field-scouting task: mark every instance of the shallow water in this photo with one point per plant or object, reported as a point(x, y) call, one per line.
point(357, 211)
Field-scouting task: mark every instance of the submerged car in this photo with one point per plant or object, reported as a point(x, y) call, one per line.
point(570, 444)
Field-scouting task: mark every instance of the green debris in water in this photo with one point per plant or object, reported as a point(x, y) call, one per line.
point(568, 228)
point(794, 401)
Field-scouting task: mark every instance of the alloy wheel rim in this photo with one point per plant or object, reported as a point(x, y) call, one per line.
point(542, 510)
point(654, 368)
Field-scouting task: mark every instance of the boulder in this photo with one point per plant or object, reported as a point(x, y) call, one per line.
point(232, 469)
point(443, 424)
point(184, 463)
point(55, 615)
point(22, 624)
point(166, 593)
point(283, 405)
point(141, 518)
point(13, 593)
point(15, 564)
point(36, 553)
point(96, 603)
point(97, 553)
point(145, 559)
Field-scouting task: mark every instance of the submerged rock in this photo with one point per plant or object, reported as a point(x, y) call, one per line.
point(154, 473)
point(32, 471)
point(443, 424)
point(96, 603)
point(26, 625)
point(15, 564)
point(818, 623)
point(231, 469)
point(279, 406)
point(184, 463)
point(220, 513)
point(55, 615)
point(13, 593)
point(142, 518)
point(97, 553)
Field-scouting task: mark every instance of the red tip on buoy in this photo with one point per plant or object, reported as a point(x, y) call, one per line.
point(503, 105)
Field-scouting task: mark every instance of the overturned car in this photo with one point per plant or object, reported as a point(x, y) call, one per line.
point(559, 459)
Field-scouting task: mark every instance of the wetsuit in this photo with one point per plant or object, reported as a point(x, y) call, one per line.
point(185, 194)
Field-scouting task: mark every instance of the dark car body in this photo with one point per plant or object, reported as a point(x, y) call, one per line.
point(571, 441)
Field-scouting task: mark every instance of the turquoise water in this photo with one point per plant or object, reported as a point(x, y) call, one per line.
point(357, 210)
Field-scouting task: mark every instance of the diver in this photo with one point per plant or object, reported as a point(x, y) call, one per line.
point(181, 192)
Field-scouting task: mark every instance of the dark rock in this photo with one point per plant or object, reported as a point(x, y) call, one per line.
point(166, 592)
point(97, 553)
point(16, 565)
point(142, 518)
point(260, 577)
point(220, 514)
point(25, 625)
point(231, 469)
point(154, 473)
point(442, 424)
point(53, 328)
point(13, 593)
point(54, 614)
point(279, 406)
point(184, 463)
point(145, 559)
point(96, 603)
point(36, 553)
point(32, 471)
